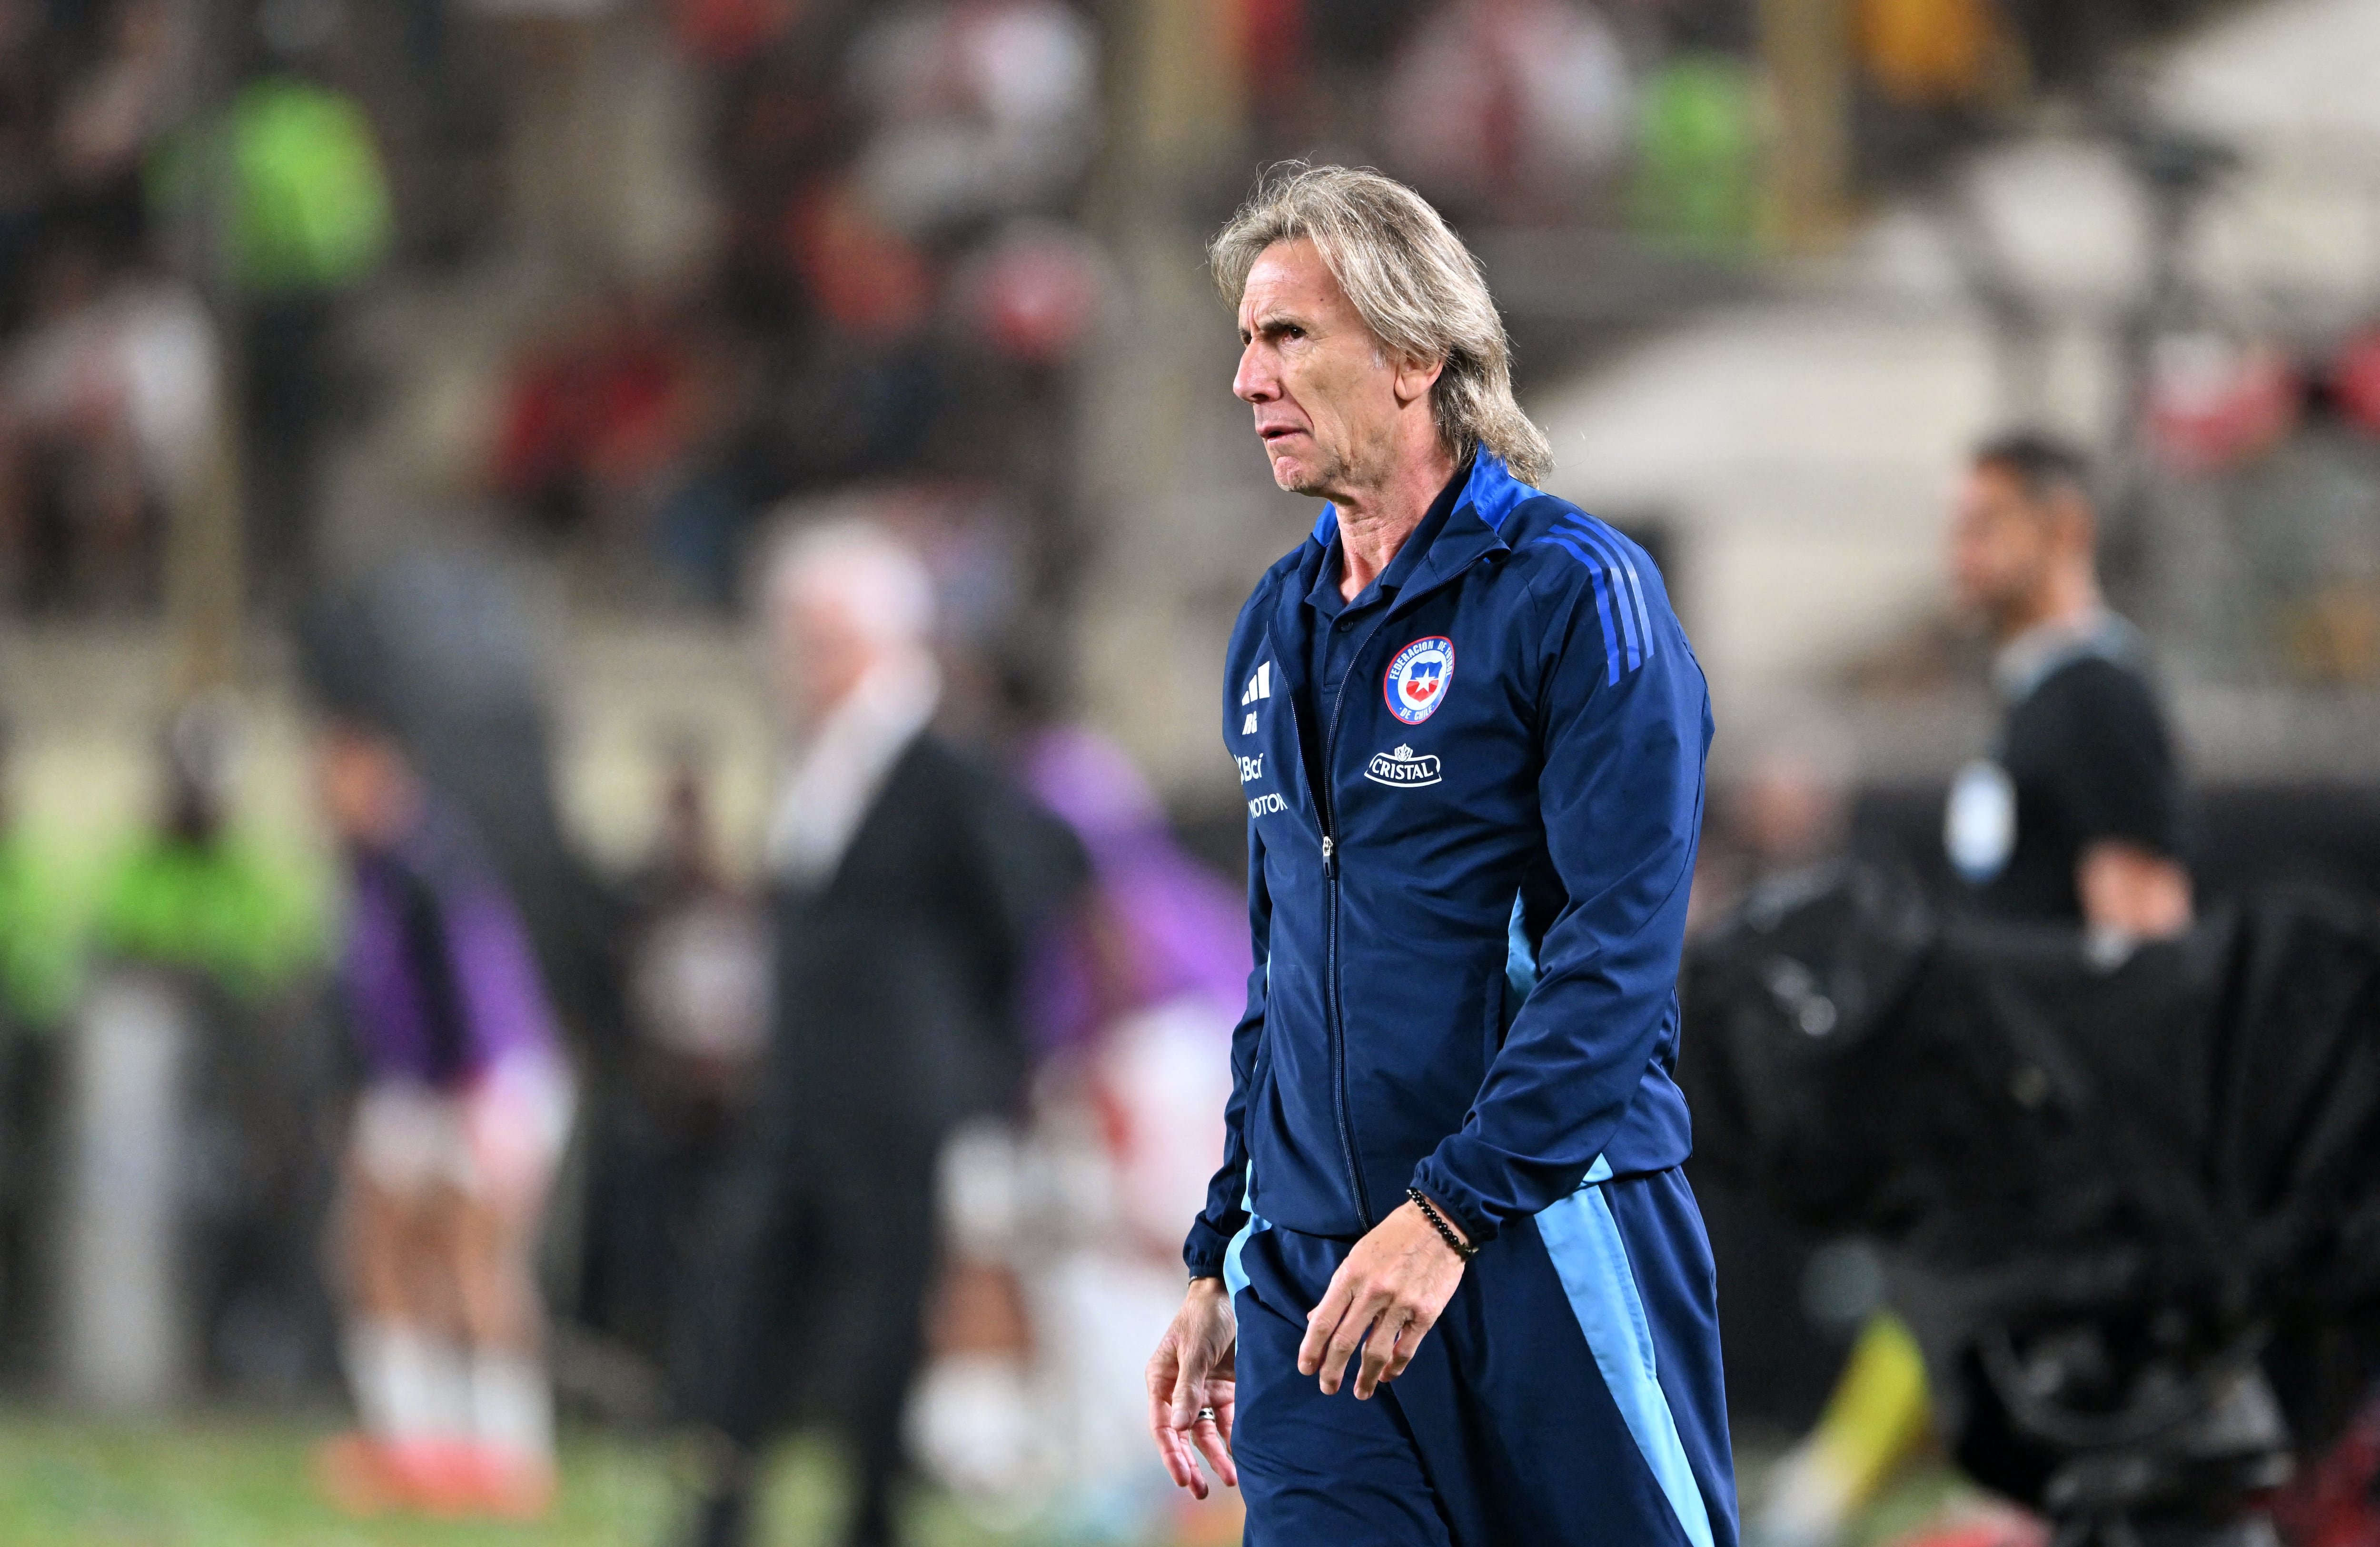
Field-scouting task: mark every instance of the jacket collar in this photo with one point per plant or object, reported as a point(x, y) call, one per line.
point(1476, 526)
point(1474, 529)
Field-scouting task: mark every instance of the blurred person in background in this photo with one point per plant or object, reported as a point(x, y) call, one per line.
point(308, 221)
point(236, 937)
point(980, 110)
point(193, 892)
point(110, 120)
point(661, 1139)
point(37, 968)
point(37, 986)
point(2075, 819)
point(1513, 108)
point(1788, 808)
point(108, 404)
point(907, 881)
point(465, 1107)
point(2076, 816)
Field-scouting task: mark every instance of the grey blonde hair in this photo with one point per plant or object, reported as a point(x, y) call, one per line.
point(884, 587)
point(1414, 282)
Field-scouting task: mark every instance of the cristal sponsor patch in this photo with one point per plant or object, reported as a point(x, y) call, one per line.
point(1402, 769)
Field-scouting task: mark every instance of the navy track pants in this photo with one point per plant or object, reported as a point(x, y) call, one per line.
point(1571, 1393)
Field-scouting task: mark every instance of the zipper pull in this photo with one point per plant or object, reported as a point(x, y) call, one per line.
point(1330, 848)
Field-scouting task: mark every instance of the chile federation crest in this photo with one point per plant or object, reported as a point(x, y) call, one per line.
point(1418, 677)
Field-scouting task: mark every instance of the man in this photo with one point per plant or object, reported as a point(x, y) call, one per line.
point(1471, 734)
point(907, 881)
point(2077, 815)
point(2075, 819)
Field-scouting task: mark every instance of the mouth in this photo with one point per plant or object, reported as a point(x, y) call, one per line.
point(1273, 435)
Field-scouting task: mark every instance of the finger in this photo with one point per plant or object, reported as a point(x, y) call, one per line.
point(1353, 1328)
point(1209, 1432)
point(1320, 1323)
point(1168, 1442)
point(1408, 1343)
point(1187, 1386)
point(1379, 1349)
point(1181, 1464)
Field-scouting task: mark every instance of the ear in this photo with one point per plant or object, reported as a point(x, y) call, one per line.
point(1414, 378)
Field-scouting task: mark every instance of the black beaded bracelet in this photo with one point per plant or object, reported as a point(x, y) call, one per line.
point(1462, 1249)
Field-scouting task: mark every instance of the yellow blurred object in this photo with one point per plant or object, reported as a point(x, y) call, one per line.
point(1931, 53)
point(1879, 1413)
point(1880, 1410)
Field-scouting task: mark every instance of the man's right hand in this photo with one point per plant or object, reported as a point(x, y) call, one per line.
point(1190, 1372)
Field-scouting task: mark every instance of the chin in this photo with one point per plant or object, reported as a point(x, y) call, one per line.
point(1297, 478)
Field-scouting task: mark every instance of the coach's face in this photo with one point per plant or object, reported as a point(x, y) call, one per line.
point(1327, 395)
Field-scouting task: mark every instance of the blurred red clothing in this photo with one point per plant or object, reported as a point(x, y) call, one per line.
point(608, 406)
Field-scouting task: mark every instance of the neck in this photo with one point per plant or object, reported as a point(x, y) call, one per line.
point(893, 671)
point(1375, 521)
point(2066, 597)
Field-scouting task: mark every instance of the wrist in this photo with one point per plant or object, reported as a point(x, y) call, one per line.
point(1457, 1240)
point(1208, 1284)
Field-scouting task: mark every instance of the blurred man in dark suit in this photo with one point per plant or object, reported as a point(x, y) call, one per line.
point(907, 879)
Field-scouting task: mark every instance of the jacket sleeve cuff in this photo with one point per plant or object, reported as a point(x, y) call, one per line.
point(1204, 1252)
point(1457, 1199)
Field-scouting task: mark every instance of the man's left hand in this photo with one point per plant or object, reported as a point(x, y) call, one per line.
point(1384, 1299)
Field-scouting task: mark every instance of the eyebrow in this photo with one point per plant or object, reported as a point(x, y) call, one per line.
point(1272, 319)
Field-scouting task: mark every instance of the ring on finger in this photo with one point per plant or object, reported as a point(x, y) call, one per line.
point(1205, 1415)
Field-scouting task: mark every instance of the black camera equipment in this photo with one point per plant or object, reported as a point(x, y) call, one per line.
point(2104, 1177)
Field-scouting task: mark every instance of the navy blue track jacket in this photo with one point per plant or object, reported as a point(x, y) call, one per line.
point(1468, 920)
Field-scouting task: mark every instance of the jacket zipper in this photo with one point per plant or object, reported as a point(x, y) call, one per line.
point(1321, 787)
point(1330, 891)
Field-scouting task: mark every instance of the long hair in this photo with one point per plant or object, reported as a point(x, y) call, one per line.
point(1414, 282)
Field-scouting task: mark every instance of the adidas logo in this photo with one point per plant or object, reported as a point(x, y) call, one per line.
point(1259, 686)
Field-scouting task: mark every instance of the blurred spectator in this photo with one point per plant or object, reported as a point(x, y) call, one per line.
point(591, 412)
point(26, 143)
point(108, 410)
point(36, 984)
point(308, 219)
point(462, 1117)
point(907, 883)
point(111, 120)
point(436, 646)
point(729, 31)
point(980, 109)
point(698, 979)
point(37, 947)
point(1698, 137)
point(193, 895)
point(1931, 74)
point(1507, 107)
point(1788, 809)
point(2076, 817)
point(1930, 53)
point(231, 941)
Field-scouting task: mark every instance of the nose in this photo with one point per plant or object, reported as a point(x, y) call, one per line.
point(1253, 382)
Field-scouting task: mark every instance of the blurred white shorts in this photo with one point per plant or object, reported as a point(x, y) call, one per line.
point(496, 1139)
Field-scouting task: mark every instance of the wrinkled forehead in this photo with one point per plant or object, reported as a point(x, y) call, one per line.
point(1291, 279)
